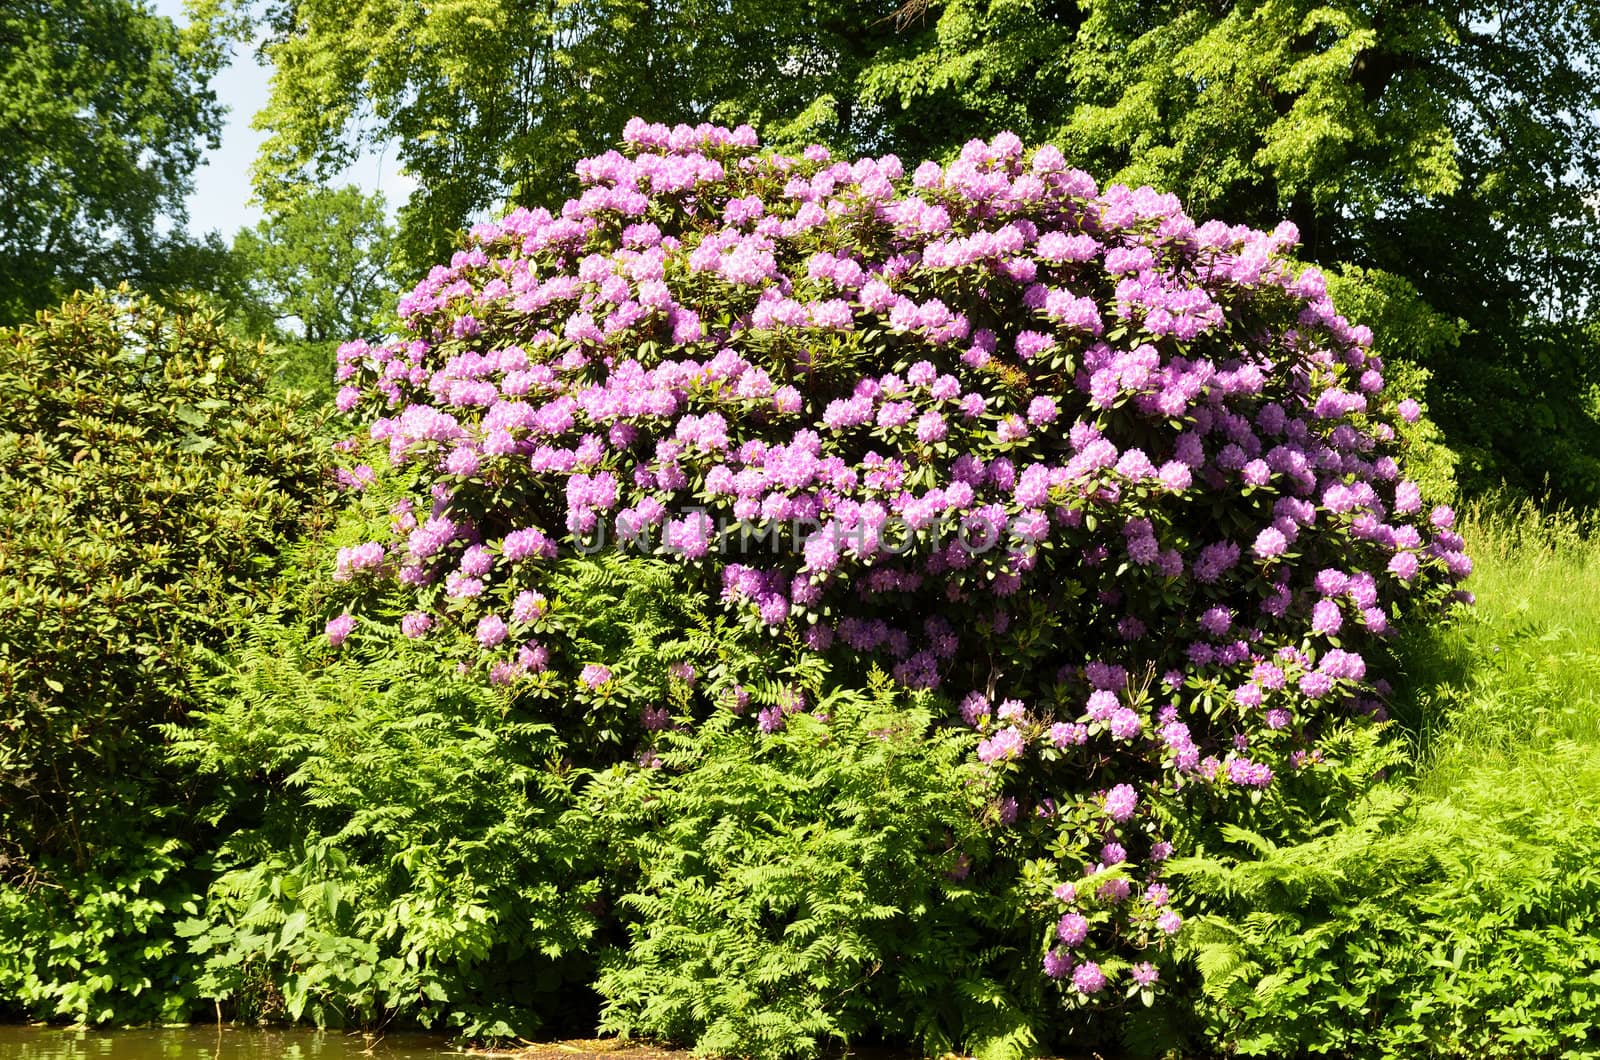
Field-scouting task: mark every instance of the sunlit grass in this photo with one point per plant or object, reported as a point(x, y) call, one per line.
point(1506, 702)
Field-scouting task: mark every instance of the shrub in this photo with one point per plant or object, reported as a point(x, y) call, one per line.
point(1446, 912)
point(401, 841)
point(811, 886)
point(1452, 927)
point(98, 944)
point(391, 849)
point(1124, 490)
point(150, 482)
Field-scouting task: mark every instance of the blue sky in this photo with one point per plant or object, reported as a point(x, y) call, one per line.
point(221, 197)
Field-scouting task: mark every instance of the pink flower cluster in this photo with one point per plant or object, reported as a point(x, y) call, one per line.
point(986, 412)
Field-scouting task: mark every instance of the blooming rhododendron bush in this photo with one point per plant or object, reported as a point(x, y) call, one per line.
point(1121, 489)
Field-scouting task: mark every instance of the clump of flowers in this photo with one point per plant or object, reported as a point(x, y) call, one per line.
point(1123, 488)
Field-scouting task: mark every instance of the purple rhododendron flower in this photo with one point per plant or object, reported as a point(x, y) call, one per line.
point(1121, 802)
point(1005, 744)
point(1057, 962)
point(1072, 929)
point(491, 630)
point(1088, 978)
point(340, 627)
point(1325, 618)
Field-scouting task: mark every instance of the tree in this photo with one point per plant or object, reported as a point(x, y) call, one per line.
point(314, 274)
point(104, 112)
point(321, 268)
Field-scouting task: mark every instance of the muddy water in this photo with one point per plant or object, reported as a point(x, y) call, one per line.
point(211, 1043)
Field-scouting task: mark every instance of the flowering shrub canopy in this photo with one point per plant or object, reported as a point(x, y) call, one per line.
point(1124, 489)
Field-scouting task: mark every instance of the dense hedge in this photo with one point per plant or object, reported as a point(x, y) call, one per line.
point(150, 484)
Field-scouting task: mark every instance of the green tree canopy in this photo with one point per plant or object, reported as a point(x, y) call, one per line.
point(320, 269)
point(104, 112)
point(312, 274)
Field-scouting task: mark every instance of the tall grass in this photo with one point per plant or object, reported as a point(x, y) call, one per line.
point(1512, 688)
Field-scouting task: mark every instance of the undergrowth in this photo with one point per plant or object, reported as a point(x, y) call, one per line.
point(1451, 913)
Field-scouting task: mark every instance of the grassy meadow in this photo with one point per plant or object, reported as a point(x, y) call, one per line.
point(1509, 696)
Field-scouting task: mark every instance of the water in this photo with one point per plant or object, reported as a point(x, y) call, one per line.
point(213, 1043)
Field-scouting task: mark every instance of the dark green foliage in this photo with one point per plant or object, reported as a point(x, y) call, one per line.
point(1524, 411)
point(824, 884)
point(96, 944)
point(150, 483)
